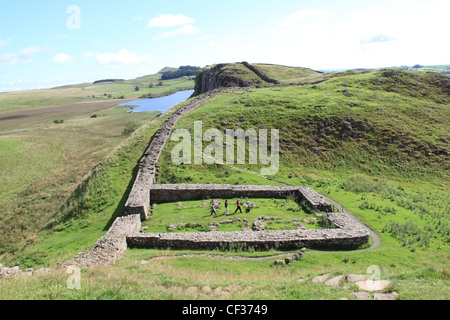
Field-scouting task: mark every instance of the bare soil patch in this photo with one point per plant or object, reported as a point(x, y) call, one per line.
point(23, 119)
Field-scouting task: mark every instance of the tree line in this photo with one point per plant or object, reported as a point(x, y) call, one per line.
point(181, 72)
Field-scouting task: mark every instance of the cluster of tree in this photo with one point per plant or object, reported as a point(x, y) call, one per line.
point(109, 80)
point(181, 72)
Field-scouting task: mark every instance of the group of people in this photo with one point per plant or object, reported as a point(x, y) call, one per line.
point(238, 204)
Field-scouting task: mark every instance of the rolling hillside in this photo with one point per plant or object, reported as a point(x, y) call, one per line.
point(376, 142)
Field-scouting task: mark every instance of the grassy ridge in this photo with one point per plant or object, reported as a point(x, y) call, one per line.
point(392, 172)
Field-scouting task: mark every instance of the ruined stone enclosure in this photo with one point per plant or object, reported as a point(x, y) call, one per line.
point(345, 231)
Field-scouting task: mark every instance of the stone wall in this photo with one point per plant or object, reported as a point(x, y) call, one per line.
point(186, 192)
point(111, 247)
point(139, 199)
point(124, 232)
point(314, 199)
point(347, 235)
point(259, 73)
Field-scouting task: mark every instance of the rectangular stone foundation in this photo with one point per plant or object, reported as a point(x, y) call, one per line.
point(263, 240)
point(189, 192)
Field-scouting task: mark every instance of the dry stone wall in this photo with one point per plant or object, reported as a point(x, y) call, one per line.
point(349, 233)
point(139, 198)
point(186, 192)
point(110, 248)
point(125, 231)
point(259, 73)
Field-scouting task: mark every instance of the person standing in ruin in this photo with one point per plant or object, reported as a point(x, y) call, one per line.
point(238, 203)
point(226, 208)
point(213, 209)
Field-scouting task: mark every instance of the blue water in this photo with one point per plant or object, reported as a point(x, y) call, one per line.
point(158, 104)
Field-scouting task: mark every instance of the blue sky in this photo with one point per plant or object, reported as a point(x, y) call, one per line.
point(49, 43)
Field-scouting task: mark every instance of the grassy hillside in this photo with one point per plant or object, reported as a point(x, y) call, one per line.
point(376, 142)
point(51, 139)
point(380, 123)
point(287, 74)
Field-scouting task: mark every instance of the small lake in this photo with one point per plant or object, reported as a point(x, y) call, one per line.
point(158, 104)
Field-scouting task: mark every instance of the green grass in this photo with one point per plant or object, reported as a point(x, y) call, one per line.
point(394, 178)
point(288, 74)
point(89, 209)
point(408, 136)
point(197, 215)
point(44, 163)
point(445, 69)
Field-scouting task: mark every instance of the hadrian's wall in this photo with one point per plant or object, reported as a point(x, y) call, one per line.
point(125, 230)
point(259, 73)
point(111, 247)
point(139, 199)
point(349, 233)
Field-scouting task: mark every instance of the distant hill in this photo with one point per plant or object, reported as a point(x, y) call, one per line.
point(444, 69)
point(244, 74)
point(168, 74)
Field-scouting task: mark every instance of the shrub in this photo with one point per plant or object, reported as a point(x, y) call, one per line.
point(130, 127)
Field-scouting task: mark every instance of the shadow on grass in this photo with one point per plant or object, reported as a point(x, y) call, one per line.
point(120, 209)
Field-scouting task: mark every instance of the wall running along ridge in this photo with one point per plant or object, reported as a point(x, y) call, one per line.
point(259, 73)
point(139, 199)
point(110, 247)
point(124, 232)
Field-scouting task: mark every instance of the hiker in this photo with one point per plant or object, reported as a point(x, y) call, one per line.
point(238, 203)
point(213, 209)
point(226, 208)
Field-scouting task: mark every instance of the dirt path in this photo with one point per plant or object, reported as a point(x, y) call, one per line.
point(216, 256)
point(376, 239)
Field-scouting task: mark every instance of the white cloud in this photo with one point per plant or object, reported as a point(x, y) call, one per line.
point(303, 15)
point(23, 56)
point(170, 20)
point(370, 37)
point(205, 37)
point(125, 57)
point(4, 43)
point(185, 30)
point(62, 57)
point(216, 46)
